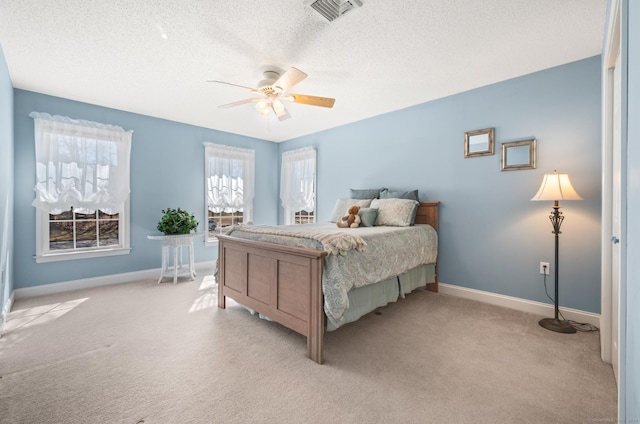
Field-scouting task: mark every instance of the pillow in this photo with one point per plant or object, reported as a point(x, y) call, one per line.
point(343, 205)
point(386, 194)
point(368, 216)
point(394, 212)
point(370, 193)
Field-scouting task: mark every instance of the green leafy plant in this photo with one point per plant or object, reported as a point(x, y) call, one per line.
point(177, 221)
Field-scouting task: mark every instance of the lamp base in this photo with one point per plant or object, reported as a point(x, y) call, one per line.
point(557, 325)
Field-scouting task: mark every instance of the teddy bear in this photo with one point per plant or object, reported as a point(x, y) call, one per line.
point(352, 220)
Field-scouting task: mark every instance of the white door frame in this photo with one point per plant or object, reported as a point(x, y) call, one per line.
point(610, 55)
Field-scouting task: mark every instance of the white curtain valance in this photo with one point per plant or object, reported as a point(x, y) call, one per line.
point(297, 180)
point(230, 179)
point(80, 164)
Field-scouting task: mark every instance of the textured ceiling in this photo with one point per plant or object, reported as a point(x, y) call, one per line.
point(154, 57)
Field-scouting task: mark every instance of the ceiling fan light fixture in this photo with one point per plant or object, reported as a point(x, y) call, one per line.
point(278, 106)
point(262, 106)
point(274, 89)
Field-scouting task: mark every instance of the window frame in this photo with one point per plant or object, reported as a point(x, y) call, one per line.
point(248, 186)
point(51, 132)
point(310, 216)
point(289, 213)
point(45, 255)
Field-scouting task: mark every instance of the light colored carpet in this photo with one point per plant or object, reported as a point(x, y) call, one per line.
point(148, 353)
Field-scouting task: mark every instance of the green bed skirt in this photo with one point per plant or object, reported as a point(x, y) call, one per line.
point(364, 300)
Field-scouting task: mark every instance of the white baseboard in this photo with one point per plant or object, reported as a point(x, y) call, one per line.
point(105, 280)
point(538, 308)
point(4, 311)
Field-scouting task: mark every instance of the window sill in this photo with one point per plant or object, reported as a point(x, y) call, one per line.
point(68, 256)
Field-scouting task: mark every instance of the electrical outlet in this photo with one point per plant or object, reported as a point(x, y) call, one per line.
point(544, 268)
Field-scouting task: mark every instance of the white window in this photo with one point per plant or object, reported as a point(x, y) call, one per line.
point(229, 173)
point(82, 188)
point(298, 186)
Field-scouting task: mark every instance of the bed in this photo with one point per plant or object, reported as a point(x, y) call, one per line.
point(284, 282)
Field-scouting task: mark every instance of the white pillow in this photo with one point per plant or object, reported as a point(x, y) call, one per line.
point(394, 212)
point(342, 207)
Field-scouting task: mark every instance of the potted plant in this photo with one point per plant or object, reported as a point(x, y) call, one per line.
point(177, 221)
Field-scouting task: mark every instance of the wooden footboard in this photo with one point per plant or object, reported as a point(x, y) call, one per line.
point(281, 282)
point(284, 282)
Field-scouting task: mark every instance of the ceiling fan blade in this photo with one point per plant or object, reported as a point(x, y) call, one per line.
point(311, 100)
point(238, 103)
point(234, 85)
point(289, 79)
point(280, 111)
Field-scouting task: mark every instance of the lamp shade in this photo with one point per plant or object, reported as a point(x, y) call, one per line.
point(556, 187)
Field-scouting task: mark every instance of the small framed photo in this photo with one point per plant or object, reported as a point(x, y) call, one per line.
point(478, 143)
point(519, 155)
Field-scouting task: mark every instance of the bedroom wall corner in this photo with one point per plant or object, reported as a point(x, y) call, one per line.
point(6, 189)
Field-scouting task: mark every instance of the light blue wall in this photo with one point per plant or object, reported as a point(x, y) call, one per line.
point(631, 391)
point(167, 170)
point(492, 237)
point(6, 183)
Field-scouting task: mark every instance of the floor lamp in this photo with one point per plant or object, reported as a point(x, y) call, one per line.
point(556, 187)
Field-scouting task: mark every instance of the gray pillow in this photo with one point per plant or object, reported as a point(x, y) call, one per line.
point(368, 216)
point(343, 205)
point(369, 193)
point(386, 194)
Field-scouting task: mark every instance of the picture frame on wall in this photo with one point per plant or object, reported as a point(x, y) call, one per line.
point(518, 155)
point(478, 143)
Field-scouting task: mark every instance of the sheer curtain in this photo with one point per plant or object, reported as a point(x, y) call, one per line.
point(80, 163)
point(297, 180)
point(230, 179)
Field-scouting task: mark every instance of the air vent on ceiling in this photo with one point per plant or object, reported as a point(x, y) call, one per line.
point(333, 9)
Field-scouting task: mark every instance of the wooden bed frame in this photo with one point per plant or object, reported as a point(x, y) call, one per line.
point(285, 282)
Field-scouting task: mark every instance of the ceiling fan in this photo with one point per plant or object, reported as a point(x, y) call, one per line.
point(274, 88)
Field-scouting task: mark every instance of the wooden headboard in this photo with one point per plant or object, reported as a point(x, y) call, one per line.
point(428, 214)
